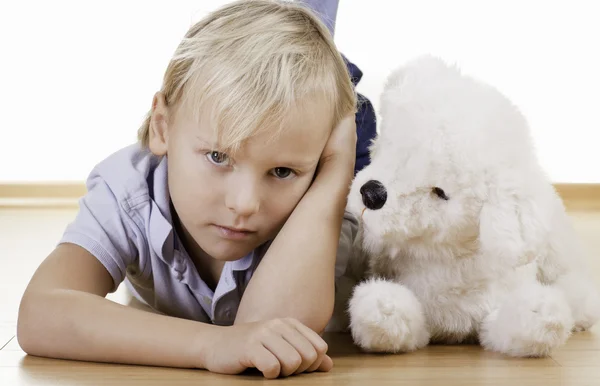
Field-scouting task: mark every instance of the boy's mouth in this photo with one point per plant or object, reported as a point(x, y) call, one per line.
point(234, 233)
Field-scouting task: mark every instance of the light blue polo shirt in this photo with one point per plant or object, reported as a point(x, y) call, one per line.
point(125, 221)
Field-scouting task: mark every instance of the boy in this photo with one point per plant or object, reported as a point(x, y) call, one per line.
point(245, 157)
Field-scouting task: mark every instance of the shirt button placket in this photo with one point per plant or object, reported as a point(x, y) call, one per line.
point(180, 266)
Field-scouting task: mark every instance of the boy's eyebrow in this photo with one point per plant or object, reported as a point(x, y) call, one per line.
point(208, 144)
point(297, 164)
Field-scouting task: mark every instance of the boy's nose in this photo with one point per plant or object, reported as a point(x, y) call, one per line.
point(374, 194)
point(244, 202)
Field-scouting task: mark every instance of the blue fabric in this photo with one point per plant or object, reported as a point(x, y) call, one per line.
point(326, 10)
point(366, 121)
point(366, 124)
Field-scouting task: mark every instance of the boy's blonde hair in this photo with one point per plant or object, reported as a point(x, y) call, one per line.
point(250, 63)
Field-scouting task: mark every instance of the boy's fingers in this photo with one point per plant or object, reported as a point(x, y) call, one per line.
point(303, 346)
point(342, 137)
point(326, 365)
point(315, 339)
point(316, 364)
point(265, 362)
point(287, 356)
point(320, 346)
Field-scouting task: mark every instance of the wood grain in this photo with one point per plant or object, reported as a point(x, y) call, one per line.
point(575, 364)
point(6, 334)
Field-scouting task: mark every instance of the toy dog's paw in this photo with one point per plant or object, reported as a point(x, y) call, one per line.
point(387, 317)
point(532, 322)
point(583, 298)
point(586, 313)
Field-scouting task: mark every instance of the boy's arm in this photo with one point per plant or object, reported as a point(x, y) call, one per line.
point(296, 277)
point(63, 314)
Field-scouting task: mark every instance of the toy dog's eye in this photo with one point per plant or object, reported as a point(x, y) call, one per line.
point(440, 193)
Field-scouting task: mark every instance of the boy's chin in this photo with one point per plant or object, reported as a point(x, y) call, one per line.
point(225, 251)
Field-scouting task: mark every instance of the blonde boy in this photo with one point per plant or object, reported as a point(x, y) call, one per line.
point(245, 157)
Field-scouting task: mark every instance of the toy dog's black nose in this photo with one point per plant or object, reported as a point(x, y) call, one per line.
point(373, 194)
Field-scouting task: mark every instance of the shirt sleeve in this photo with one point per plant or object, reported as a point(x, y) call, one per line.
point(104, 229)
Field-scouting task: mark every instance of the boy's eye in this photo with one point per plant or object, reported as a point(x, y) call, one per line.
point(217, 158)
point(282, 172)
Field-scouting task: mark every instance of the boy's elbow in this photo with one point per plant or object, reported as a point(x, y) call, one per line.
point(319, 326)
point(25, 340)
point(25, 322)
point(318, 319)
point(29, 322)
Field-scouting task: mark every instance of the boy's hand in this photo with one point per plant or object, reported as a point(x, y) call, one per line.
point(340, 149)
point(278, 347)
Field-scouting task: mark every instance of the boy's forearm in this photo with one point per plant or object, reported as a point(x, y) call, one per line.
point(296, 277)
point(80, 326)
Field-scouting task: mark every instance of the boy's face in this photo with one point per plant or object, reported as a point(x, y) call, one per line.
point(226, 205)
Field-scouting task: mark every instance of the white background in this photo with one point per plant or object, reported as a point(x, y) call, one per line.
point(76, 77)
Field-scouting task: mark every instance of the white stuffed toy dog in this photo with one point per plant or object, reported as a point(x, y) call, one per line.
point(461, 234)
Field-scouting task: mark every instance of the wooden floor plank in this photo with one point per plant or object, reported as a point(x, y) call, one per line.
point(6, 335)
point(575, 364)
point(36, 371)
point(12, 345)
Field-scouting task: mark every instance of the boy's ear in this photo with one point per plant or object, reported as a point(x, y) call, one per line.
point(159, 130)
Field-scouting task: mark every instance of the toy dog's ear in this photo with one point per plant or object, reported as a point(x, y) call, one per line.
point(511, 228)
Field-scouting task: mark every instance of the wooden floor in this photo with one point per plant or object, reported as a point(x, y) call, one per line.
point(26, 236)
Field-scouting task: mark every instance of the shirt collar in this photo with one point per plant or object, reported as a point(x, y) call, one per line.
point(244, 263)
point(160, 232)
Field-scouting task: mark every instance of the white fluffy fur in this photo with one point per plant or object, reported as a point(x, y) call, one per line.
point(497, 263)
